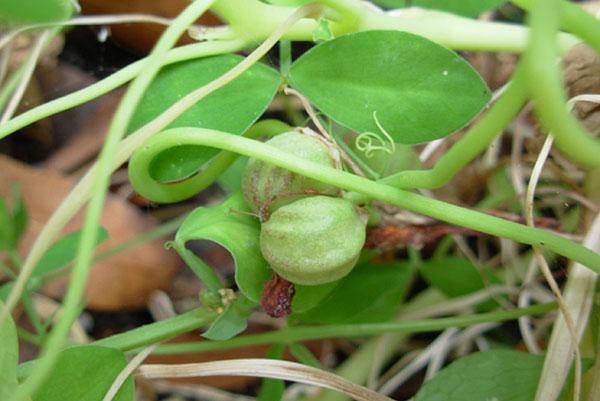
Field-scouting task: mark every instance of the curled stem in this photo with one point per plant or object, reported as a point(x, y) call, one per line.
point(545, 84)
point(376, 190)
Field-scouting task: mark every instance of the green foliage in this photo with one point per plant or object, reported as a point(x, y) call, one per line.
point(491, 375)
point(372, 292)
point(456, 277)
point(467, 8)
point(34, 11)
point(231, 322)
point(419, 90)
point(63, 252)
point(304, 355)
point(9, 357)
point(232, 108)
point(230, 226)
point(5, 290)
point(13, 222)
point(85, 373)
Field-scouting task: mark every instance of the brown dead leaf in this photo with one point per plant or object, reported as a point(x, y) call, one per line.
point(124, 281)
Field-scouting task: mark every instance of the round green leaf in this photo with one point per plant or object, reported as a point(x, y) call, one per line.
point(232, 108)
point(418, 90)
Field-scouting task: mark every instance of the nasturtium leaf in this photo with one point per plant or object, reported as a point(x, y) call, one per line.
point(231, 322)
point(467, 8)
point(417, 90)
point(491, 375)
point(272, 389)
point(372, 292)
point(85, 373)
point(456, 277)
point(9, 358)
point(232, 108)
point(34, 11)
point(63, 252)
point(230, 226)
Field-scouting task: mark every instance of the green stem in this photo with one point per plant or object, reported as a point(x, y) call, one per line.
point(545, 84)
point(33, 316)
point(475, 141)
point(144, 335)
point(252, 19)
point(164, 229)
point(90, 228)
point(459, 33)
point(155, 191)
point(114, 81)
point(159, 331)
point(205, 273)
point(573, 19)
point(82, 191)
point(417, 203)
point(296, 334)
point(259, 19)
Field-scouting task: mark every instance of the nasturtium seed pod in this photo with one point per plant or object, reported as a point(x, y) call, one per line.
point(266, 184)
point(313, 240)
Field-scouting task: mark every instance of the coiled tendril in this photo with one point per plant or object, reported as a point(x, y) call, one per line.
point(365, 141)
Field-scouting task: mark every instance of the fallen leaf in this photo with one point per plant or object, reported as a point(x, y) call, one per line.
point(122, 282)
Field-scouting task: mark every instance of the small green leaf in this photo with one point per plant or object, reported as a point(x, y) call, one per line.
point(232, 108)
point(85, 373)
point(9, 358)
point(419, 90)
point(467, 8)
point(492, 375)
point(372, 292)
point(272, 389)
point(231, 322)
point(228, 226)
point(34, 11)
point(304, 355)
point(456, 277)
point(63, 252)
